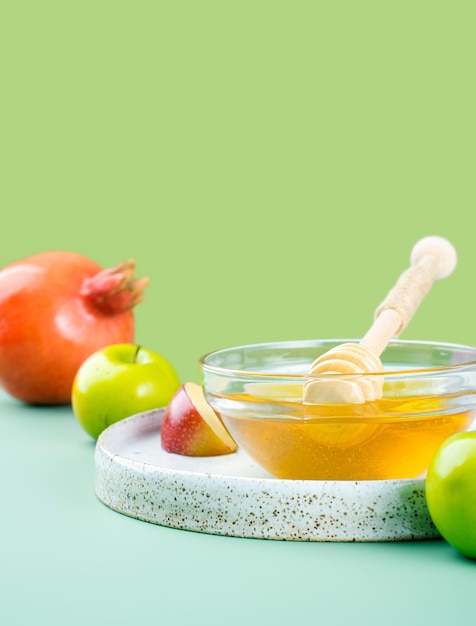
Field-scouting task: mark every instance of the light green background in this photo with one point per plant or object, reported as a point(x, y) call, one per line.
point(269, 165)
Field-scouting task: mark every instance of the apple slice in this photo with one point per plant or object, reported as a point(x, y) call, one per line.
point(192, 428)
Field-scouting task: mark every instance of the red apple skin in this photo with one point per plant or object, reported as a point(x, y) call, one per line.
point(184, 430)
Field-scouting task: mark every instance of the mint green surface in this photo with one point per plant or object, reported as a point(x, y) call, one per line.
point(269, 165)
point(67, 558)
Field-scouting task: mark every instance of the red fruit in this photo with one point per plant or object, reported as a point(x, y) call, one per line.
point(192, 428)
point(56, 309)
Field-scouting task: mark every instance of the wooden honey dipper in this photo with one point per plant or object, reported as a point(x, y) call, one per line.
point(432, 258)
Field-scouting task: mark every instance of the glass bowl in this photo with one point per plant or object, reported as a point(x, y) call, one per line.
point(429, 393)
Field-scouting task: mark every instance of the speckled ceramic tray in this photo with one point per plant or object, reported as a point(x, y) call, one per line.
point(230, 495)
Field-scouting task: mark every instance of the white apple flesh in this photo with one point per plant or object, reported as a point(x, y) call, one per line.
point(192, 428)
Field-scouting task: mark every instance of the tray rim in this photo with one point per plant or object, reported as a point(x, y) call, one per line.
point(178, 496)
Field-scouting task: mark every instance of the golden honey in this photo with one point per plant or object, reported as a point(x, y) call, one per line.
point(391, 438)
point(428, 392)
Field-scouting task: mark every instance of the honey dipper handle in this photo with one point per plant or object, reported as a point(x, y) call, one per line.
point(432, 258)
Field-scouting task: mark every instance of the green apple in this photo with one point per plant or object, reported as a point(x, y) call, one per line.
point(451, 492)
point(118, 381)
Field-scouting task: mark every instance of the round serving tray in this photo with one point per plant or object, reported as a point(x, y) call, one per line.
point(231, 495)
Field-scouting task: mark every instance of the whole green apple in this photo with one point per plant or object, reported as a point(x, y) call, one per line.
point(451, 492)
point(118, 381)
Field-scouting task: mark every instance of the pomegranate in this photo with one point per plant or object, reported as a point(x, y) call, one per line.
point(56, 309)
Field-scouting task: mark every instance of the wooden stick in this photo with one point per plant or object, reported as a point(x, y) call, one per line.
point(432, 258)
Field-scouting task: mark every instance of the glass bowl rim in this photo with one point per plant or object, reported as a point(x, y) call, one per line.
point(296, 343)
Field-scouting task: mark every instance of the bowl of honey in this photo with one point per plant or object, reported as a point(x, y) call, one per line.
point(428, 394)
